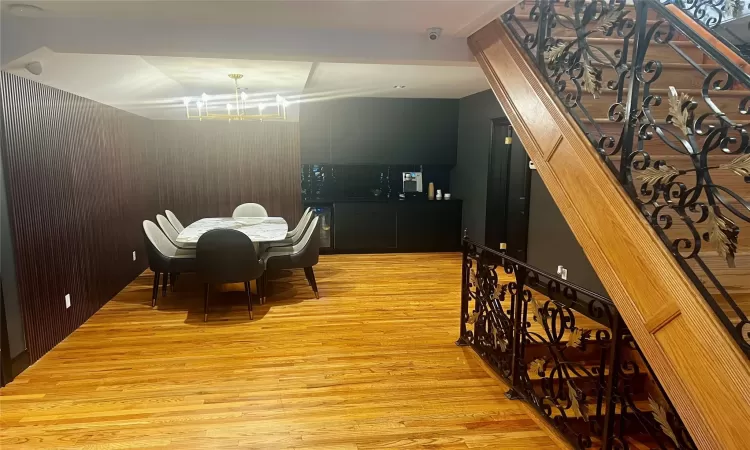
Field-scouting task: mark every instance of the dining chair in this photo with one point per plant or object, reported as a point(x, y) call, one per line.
point(303, 255)
point(294, 236)
point(168, 229)
point(227, 256)
point(164, 258)
point(249, 210)
point(174, 221)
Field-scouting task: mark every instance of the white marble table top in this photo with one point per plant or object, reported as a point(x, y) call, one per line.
point(258, 229)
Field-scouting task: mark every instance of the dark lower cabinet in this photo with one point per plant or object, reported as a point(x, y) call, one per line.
point(429, 226)
point(409, 226)
point(365, 226)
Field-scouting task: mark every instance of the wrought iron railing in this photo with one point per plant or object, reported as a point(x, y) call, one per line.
point(566, 351)
point(712, 13)
point(668, 113)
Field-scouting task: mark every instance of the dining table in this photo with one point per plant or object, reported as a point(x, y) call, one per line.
point(261, 230)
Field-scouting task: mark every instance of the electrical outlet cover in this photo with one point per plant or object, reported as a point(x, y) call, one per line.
point(67, 301)
point(133, 255)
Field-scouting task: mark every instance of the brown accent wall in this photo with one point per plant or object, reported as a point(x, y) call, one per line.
point(82, 176)
point(206, 169)
point(79, 184)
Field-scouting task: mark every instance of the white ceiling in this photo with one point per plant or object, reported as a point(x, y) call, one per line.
point(457, 18)
point(145, 57)
point(378, 80)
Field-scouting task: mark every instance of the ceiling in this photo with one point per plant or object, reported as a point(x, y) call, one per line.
point(457, 18)
point(145, 57)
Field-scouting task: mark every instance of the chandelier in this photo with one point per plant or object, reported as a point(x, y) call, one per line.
point(241, 109)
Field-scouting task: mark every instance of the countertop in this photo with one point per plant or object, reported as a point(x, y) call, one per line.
point(378, 200)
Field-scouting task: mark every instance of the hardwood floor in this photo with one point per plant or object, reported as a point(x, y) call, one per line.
point(371, 364)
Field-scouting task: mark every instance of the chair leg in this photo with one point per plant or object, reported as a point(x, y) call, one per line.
point(164, 285)
point(264, 285)
point(307, 277)
point(155, 290)
point(311, 276)
point(205, 302)
point(173, 280)
point(249, 299)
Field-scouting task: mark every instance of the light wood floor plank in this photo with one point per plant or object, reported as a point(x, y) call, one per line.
point(370, 365)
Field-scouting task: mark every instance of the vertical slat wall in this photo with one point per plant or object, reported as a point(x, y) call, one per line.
point(206, 169)
point(82, 176)
point(80, 181)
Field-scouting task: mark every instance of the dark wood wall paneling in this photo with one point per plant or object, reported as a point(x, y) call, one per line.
point(82, 176)
point(79, 185)
point(206, 169)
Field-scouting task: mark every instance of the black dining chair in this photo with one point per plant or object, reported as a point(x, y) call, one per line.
point(303, 255)
point(227, 256)
point(164, 258)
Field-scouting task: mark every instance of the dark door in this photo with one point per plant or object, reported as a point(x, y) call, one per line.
point(508, 183)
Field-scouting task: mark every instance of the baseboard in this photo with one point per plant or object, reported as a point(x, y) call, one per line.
point(21, 362)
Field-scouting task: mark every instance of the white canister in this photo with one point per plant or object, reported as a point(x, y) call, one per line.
point(439, 195)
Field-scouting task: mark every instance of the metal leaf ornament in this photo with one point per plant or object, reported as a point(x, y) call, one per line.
point(677, 115)
point(653, 176)
point(498, 340)
point(554, 52)
point(591, 83)
point(732, 8)
point(660, 415)
point(473, 277)
point(536, 307)
point(739, 165)
point(610, 19)
point(473, 317)
point(579, 406)
point(723, 235)
point(577, 337)
point(537, 365)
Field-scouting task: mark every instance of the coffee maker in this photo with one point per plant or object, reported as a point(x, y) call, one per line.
point(412, 182)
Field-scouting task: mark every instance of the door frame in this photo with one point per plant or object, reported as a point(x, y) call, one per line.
point(512, 197)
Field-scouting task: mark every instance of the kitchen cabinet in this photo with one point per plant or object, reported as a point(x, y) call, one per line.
point(365, 226)
point(379, 131)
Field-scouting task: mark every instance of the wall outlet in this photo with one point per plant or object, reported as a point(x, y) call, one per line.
point(133, 255)
point(67, 301)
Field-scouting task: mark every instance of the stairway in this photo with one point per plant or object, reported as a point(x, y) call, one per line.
point(636, 125)
point(566, 351)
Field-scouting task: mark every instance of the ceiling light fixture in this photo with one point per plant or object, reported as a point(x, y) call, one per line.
point(240, 110)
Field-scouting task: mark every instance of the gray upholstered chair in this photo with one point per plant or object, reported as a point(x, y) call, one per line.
point(168, 229)
point(164, 258)
point(302, 255)
point(174, 221)
point(249, 210)
point(294, 236)
point(227, 256)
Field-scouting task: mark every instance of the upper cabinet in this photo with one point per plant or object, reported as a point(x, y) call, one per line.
point(379, 131)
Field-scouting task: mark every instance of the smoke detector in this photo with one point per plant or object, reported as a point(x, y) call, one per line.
point(34, 67)
point(25, 10)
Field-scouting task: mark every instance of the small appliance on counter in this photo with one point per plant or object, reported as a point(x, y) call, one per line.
point(412, 182)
